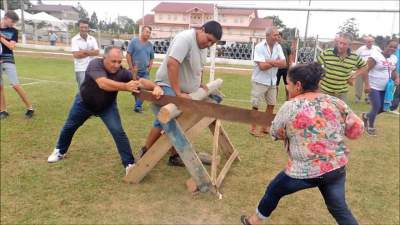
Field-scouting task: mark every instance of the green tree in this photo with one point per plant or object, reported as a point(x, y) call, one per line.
point(15, 4)
point(127, 24)
point(83, 14)
point(93, 23)
point(350, 26)
point(276, 21)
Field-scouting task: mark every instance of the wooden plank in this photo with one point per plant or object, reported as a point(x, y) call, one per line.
point(214, 163)
point(224, 142)
point(226, 168)
point(188, 155)
point(207, 109)
point(157, 151)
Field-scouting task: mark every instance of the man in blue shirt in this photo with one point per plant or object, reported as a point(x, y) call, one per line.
point(396, 96)
point(140, 57)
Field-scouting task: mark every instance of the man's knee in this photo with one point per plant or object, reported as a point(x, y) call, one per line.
point(16, 86)
point(255, 102)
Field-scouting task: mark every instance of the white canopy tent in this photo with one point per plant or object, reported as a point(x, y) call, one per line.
point(27, 16)
point(54, 22)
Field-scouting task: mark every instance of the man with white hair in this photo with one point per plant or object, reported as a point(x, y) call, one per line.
point(339, 63)
point(268, 57)
point(364, 52)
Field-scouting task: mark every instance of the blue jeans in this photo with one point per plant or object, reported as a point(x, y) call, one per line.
point(331, 185)
point(167, 91)
point(376, 99)
point(79, 113)
point(138, 102)
point(396, 99)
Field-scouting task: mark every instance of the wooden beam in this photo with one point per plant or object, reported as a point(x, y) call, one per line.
point(224, 141)
point(226, 168)
point(188, 155)
point(214, 163)
point(157, 151)
point(207, 109)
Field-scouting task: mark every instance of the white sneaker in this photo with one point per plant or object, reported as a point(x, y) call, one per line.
point(394, 112)
point(128, 168)
point(55, 156)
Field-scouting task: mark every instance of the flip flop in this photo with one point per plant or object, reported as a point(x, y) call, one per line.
point(255, 133)
point(244, 220)
point(265, 130)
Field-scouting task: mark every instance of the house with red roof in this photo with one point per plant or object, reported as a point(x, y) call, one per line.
point(239, 25)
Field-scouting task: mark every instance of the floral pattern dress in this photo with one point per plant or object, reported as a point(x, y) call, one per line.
point(314, 132)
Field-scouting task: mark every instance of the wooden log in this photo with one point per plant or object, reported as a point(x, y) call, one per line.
point(171, 111)
point(168, 112)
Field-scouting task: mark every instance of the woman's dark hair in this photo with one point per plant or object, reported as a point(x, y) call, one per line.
point(308, 75)
point(214, 28)
point(387, 42)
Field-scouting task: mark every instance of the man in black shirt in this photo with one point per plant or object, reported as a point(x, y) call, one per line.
point(8, 40)
point(103, 79)
point(282, 72)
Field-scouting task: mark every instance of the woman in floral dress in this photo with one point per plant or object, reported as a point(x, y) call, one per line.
point(313, 127)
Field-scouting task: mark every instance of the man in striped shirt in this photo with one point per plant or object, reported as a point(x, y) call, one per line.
point(339, 63)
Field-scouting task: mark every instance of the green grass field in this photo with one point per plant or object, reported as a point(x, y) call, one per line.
point(87, 187)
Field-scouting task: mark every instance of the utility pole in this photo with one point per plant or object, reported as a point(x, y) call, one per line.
point(143, 13)
point(213, 48)
point(5, 5)
point(308, 17)
point(22, 21)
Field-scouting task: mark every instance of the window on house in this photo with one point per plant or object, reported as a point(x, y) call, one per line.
point(175, 17)
point(241, 19)
point(160, 17)
point(169, 17)
point(236, 20)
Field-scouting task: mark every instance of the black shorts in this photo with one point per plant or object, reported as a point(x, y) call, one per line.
point(279, 74)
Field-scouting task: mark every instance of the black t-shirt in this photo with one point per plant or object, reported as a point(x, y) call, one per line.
point(286, 51)
point(95, 98)
point(10, 34)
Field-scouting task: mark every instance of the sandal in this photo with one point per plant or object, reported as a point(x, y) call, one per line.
point(244, 220)
point(255, 133)
point(264, 130)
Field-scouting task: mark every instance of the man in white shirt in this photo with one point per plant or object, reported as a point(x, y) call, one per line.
point(84, 48)
point(268, 57)
point(364, 52)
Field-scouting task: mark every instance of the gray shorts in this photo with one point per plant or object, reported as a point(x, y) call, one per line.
point(259, 91)
point(11, 71)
